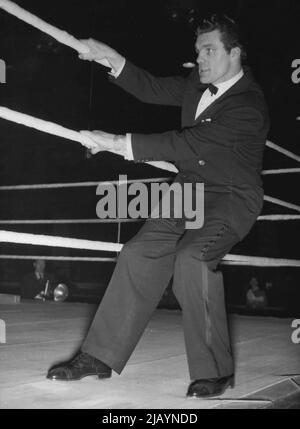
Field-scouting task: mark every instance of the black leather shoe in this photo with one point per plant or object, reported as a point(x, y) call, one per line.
point(80, 366)
point(209, 387)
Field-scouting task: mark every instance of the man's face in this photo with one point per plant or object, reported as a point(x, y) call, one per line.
point(254, 283)
point(215, 63)
point(40, 265)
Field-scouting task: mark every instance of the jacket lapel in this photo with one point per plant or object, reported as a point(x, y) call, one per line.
point(238, 87)
point(215, 105)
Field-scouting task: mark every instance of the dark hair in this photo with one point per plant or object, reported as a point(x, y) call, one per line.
point(228, 29)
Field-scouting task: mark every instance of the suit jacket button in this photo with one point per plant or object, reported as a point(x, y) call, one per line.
point(201, 162)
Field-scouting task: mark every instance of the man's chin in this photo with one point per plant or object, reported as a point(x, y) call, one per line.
point(205, 79)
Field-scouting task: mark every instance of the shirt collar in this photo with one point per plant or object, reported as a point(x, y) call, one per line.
point(224, 86)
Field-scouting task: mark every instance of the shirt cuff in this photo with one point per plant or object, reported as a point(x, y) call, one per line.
point(129, 153)
point(163, 165)
point(116, 73)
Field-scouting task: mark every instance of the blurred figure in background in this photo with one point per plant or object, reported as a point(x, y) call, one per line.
point(256, 297)
point(34, 284)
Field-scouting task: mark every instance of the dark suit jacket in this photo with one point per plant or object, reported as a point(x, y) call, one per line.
point(223, 148)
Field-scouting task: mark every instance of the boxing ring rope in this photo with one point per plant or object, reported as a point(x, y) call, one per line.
point(277, 217)
point(228, 260)
point(58, 130)
point(75, 243)
point(45, 126)
point(77, 184)
point(281, 171)
point(113, 182)
point(281, 203)
point(65, 221)
point(59, 258)
point(59, 35)
point(48, 240)
point(55, 129)
point(283, 151)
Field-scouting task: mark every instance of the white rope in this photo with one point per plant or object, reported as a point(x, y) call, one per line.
point(281, 171)
point(228, 260)
point(276, 217)
point(259, 261)
point(283, 151)
point(45, 126)
point(54, 241)
point(114, 182)
point(279, 217)
point(58, 130)
point(281, 203)
point(59, 35)
point(78, 184)
point(74, 135)
point(59, 258)
point(65, 221)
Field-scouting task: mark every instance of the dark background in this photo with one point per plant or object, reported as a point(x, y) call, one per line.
point(46, 79)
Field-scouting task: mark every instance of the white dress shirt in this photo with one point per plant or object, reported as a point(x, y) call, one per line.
point(208, 98)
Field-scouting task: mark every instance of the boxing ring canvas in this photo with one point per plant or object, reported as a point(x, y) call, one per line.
point(38, 333)
point(156, 373)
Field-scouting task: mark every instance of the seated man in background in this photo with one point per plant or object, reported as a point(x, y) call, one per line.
point(256, 297)
point(34, 284)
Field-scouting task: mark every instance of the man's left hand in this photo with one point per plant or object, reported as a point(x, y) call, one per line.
point(106, 142)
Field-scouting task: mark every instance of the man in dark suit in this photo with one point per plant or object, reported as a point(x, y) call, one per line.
point(221, 144)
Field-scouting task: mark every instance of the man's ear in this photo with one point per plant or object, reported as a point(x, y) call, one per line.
point(236, 52)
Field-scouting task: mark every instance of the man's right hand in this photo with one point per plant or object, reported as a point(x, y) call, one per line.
point(103, 54)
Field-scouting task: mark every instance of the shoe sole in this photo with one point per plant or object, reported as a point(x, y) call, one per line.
point(213, 395)
point(100, 376)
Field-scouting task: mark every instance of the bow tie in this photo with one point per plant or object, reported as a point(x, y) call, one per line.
point(212, 88)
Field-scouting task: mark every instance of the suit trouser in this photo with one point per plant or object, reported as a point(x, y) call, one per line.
point(163, 248)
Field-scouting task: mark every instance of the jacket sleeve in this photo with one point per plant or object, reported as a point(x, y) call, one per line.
point(150, 89)
point(232, 126)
